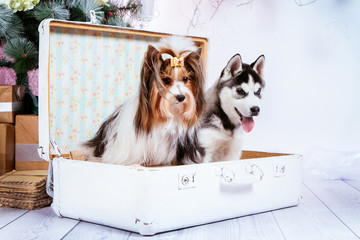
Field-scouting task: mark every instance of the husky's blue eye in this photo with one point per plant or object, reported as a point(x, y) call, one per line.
point(258, 92)
point(185, 79)
point(240, 91)
point(166, 80)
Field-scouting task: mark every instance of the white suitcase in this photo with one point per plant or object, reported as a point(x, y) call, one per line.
point(140, 199)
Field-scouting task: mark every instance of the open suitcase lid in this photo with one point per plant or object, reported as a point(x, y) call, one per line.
point(85, 72)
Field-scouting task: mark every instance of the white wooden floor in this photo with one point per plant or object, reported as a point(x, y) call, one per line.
point(330, 209)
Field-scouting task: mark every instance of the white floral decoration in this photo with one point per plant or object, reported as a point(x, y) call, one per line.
point(103, 2)
point(19, 5)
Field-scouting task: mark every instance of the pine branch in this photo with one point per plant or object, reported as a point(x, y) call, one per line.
point(22, 79)
point(51, 10)
point(116, 21)
point(30, 26)
point(24, 52)
point(10, 24)
point(5, 16)
point(134, 6)
point(59, 11)
point(71, 3)
point(81, 11)
point(42, 11)
point(110, 8)
point(6, 63)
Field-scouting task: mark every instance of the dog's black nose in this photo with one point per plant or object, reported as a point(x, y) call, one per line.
point(255, 111)
point(180, 97)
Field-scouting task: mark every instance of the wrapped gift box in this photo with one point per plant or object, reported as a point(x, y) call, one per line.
point(10, 102)
point(7, 147)
point(24, 189)
point(26, 144)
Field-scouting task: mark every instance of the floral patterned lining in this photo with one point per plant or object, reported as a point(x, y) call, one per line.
point(91, 73)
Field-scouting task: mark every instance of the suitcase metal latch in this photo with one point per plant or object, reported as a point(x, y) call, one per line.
point(42, 154)
point(280, 169)
point(252, 174)
point(186, 180)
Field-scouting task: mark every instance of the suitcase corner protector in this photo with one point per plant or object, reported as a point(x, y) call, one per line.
point(146, 228)
point(56, 208)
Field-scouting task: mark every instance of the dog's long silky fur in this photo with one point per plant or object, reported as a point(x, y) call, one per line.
point(153, 128)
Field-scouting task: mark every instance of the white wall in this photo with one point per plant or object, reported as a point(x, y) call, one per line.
point(312, 96)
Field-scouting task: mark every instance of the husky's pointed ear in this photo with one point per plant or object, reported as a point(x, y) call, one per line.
point(233, 67)
point(258, 65)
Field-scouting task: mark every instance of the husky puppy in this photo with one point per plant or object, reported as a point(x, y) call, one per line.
point(231, 104)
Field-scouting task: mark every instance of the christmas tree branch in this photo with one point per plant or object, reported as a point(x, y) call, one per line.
point(6, 63)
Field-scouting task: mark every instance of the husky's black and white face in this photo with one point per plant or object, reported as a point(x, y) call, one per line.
point(240, 90)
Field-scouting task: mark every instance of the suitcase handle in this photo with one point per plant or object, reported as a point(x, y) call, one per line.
point(252, 174)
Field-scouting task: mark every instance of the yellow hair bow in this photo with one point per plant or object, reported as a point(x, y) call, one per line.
point(177, 62)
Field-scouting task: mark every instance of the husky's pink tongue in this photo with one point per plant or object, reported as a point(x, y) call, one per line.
point(248, 124)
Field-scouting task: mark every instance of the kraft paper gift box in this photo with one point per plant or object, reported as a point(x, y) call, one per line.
point(24, 189)
point(7, 147)
point(10, 102)
point(26, 144)
point(85, 72)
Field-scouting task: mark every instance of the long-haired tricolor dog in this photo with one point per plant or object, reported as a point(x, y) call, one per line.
point(231, 104)
point(158, 125)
